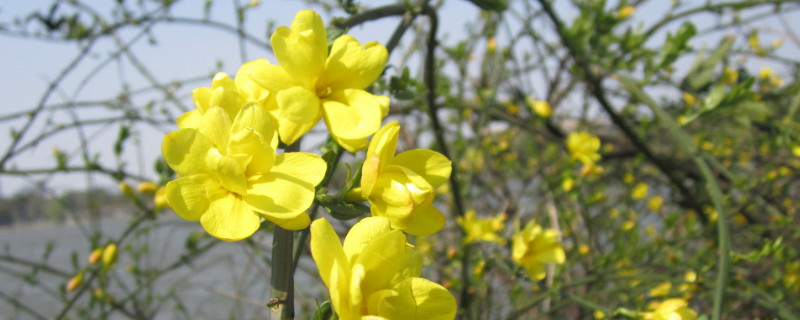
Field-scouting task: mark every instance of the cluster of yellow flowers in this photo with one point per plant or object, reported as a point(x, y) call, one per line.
point(230, 175)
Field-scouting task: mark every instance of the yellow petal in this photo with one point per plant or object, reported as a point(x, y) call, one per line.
point(283, 194)
point(190, 119)
point(188, 196)
point(225, 95)
point(384, 143)
point(303, 48)
point(255, 118)
point(227, 171)
point(381, 258)
point(185, 151)
point(431, 165)
point(352, 114)
point(261, 155)
point(216, 125)
point(362, 233)
point(425, 221)
point(328, 254)
point(419, 298)
point(301, 166)
point(229, 218)
point(202, 97)
point(352, 66)
point(270, 77)
point(298, 112)
point(352, 145)
point(411, 267)
point(249, 89)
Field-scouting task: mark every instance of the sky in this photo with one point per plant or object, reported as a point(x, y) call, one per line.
point(174, 52)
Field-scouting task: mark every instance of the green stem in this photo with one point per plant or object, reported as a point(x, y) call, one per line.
point(724, 238)
point(281, 302)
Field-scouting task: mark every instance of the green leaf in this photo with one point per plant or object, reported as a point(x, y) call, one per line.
point(346, 211)
point(323, 312)
point(704, 69)
point(491, 5)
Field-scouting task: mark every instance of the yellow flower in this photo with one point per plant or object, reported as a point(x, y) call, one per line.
point(672, 309)
point(540, 108)
point(375, 275)
point(534, 247)
point(310, 83)
point(583, 147)
point(639, 191)
point(401, 187)
point(230, 178)
point(729, 75)
point(661, 290)
point(482, 229)
point(655, 203)
point(791, 279)
point(625, 12)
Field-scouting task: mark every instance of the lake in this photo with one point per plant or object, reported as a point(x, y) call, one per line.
point(229, 281)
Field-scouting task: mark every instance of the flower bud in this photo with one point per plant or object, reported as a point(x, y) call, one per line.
point(109, 255)
point(147, 187)
point(95, 255)
point(126, 189)
point(75, 282)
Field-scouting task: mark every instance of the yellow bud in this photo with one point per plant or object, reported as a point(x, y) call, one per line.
point(690, 276)
point(583, 249)
point(689, 99)
point(491, 44)
point(126, 189)
point(451, 252)
point(567, 184)
point(729, 75)
point(512, 109)
point(625, 12)
point(110, 254)
point(540, 108)
point(254, 3)
point(765, 73)
point(95, 255)
point(147, 187)
point(75, 282)
point(777, 43)
point(655, 203)
point(160, 199)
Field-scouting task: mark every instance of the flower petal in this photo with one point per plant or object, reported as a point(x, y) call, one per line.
point(425, 221)
point(352, 66)
point(216, 125)
point(431, 165)
point(190, 119)
point(352, 145)
point(384, 143)
point(362, 233)
point(185, 151)
point(298, 112)
point(382, 258)
point(303, 48)
point(229, 218)
point(227, 171)
point(288, 190)
point(249, 89)
point(202, 97)
point(188, 196)
point(334, 269)
point(352, 114)
point(419, 298)
point(270, 77)
point(256, 118)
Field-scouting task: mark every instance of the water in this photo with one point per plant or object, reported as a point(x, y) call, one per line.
point(229, 281)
